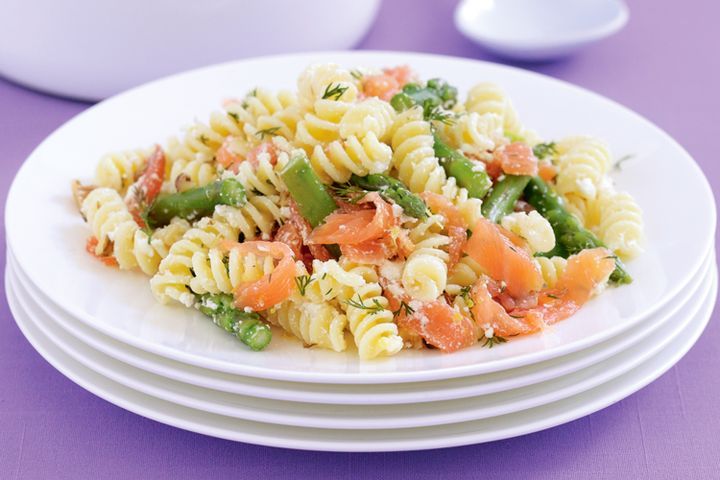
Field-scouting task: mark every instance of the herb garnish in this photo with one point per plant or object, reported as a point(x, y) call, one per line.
point(376, 307)
point(334, 93)
point(439, 115)
point(492, 341)
point(267, 131)
point(302, 283)
point(542, 150)
point(621, 160)
point(403, 308)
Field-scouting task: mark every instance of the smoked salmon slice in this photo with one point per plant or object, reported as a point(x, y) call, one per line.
point(503, 260)
point(273, 287)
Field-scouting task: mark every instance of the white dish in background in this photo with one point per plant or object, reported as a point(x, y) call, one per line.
point(50, 248)
point(539, 30)
point(456, 434)
point(91, 49)
point(359, 394)
point(361, 417)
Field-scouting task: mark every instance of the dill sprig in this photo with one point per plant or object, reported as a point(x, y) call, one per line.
point(621, 160)
point(403, 308)
point(348, 192)
point(439, 115)
point(267, 131)
point(492, 341)
point(203, 139)
point(465, 295)
point(357, 74)
point(542, 150)
point(234, 116)
point(334, 93)
point(376, 307)
point(302, 283)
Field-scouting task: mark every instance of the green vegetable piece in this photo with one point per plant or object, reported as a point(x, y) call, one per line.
point(248, 327)
point(436, 93)
point(309, 193)
point(468, 174)
point(196, 202)
point(542, 150)
point(393, 189)
point(570, 236)
point(503, 196)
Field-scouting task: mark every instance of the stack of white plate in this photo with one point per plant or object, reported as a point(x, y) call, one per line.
point(103, 329)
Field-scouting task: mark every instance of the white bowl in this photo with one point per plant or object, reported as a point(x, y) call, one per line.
point(92, 49)
point(539, 30)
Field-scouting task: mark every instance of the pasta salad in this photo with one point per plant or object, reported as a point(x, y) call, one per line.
point(368, 208)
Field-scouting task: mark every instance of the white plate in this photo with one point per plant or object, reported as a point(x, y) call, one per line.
point(495, 428)
point(47, 235)
point(357, 417)
point(358, 394)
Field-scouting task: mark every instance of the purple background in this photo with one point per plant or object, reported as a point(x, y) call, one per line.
point(664, 65)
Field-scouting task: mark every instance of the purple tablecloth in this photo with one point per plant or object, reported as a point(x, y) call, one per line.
point(664, 65)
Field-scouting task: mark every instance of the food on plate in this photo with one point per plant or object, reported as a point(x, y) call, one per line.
point(370, 208)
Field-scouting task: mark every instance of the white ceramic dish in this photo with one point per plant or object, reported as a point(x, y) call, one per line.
point(362, 394)
point(533, 30)
point(359, 417)
point(92, 49)
point(49, 249)
point(495, 428)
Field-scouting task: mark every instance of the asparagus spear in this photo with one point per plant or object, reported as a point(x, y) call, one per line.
point(436, 93)
point(246, 326)
point(196, 202)
point(392, 189)
point(570, 236)
point(311, 196)
point(468, 175)
point(503, 196)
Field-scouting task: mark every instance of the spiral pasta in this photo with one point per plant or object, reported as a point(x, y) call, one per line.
point(470, 208)
point(371, 323)
point(413, 153)
point(425, 273)
point(175, 273)
point(255, 218)
point(200, 141)
point(533, 227)
point(217, 271)
point(187, 174)
point(119, 170)
point(583, 209)
point(487, 97)
point(330, 281)
point(371, 116)
point(582, 165)
point(463, 274)
point(551, 269)
point(620, 223)
point(326, 93)
point(262, 179)
point(111, 221)
point(319, 324)
point(313, 83)
point(474, 134)
point(269, 112)
point(336, 161)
